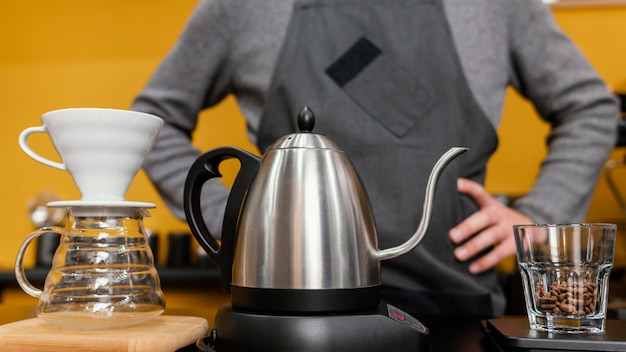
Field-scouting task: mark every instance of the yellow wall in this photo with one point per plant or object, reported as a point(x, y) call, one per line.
point(69, 53)
point(601, 35)
point(99, 53)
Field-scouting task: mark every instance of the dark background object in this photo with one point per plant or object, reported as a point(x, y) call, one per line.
point(179, 250)
point(153, 243)
point(622, 99)
point(621, 132)
point(47, 244)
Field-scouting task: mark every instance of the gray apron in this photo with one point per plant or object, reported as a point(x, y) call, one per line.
point(385, 83)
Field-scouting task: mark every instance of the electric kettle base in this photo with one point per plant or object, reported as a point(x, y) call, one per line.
point(385, 328)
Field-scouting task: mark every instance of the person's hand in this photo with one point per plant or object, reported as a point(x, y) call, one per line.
point(493, 226)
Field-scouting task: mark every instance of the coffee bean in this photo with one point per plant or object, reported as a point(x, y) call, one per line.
point(567, 307)
point(548, 300)
point(572, 297)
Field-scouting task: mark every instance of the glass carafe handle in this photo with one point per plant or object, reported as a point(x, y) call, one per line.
point(19, 261)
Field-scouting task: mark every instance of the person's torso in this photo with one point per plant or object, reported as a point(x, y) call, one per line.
point(258, 29)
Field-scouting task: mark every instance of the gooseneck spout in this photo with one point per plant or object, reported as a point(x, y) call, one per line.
point(429, 198)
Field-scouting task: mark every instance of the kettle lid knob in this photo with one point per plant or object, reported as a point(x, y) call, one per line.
point(306, 120)
point(304, 138)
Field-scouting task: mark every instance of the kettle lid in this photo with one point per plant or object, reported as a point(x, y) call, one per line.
point(305, 138)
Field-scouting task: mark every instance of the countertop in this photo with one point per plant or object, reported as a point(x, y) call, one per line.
point(449, 335)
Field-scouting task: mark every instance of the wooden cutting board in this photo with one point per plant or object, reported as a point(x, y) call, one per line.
point(165, 333)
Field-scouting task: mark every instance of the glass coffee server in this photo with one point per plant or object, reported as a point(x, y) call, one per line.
point(103, 273)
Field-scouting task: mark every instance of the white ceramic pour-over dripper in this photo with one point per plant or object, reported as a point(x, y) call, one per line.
point(102, 149)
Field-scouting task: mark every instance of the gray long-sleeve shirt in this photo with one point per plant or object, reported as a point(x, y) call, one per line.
point(231, 46)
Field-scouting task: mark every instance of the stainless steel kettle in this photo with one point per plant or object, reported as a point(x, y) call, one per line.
point(299, 233)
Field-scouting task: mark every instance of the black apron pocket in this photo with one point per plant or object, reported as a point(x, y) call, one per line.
point(381, 87)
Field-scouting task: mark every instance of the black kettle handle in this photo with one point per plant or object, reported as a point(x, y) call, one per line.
point(207, 167)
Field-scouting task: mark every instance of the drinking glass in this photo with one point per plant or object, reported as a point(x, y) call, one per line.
point(565, 272)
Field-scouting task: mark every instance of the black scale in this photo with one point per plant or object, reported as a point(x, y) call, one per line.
point(514, 334)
